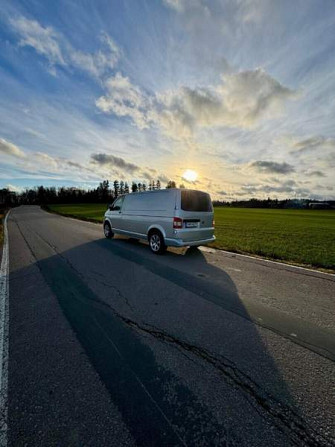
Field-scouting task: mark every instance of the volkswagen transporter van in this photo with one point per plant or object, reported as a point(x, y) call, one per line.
point(167, 217)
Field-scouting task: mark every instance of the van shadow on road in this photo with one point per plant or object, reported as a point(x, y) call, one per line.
point(136, 382)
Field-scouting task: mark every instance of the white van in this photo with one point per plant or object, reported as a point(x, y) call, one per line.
point(166, 217)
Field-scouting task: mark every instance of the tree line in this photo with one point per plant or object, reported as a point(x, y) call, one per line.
point(106, 192)
point(277, 204)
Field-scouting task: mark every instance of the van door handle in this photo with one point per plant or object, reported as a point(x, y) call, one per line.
point(119, 212)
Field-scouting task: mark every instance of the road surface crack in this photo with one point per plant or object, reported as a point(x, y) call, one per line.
point(283, 415)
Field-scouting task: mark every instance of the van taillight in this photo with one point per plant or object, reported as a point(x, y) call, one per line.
point(177, 222)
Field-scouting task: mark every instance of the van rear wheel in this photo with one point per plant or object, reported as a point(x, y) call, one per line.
point(156, 242)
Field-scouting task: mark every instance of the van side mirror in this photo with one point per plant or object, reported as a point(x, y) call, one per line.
point(110, 207)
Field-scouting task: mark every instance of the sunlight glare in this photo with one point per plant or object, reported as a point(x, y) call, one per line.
point(190, 176)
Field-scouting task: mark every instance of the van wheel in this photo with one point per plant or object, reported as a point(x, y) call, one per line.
point(156, 242)
point(108, 230)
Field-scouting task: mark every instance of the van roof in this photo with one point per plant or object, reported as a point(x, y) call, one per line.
point(167, 189)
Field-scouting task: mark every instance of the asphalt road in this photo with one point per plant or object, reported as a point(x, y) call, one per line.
point(110, 345)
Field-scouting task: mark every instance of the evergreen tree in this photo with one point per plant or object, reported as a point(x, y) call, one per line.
point(116, 188)
point(134, 187)
point(158, 184)
point(102, 192)
point(126, 188)
point(122, 187)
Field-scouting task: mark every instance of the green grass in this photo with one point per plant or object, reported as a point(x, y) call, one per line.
point(85, 211)
point(297, 236)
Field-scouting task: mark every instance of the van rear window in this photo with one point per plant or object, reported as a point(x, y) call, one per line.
point(195, 201)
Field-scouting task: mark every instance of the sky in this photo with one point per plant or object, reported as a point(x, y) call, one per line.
point(242, 92)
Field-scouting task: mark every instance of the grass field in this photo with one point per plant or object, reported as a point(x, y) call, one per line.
point(297, 236)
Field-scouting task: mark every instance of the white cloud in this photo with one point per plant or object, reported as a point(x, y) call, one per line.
point(241, 100)
point(14, 188)
point(251, 11)
point(174, 4)
point(125, 99)
point(57, 50)
point(43, 39)
point(8, 148)
point(46, 159)
point(223, 17)
point(100, 62)
point(188, 6)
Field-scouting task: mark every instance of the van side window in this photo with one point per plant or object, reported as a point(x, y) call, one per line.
point(117, 205)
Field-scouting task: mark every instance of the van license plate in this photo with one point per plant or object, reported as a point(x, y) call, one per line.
point(191, 224)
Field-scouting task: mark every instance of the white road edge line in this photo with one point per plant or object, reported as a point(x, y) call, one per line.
point(4, 318)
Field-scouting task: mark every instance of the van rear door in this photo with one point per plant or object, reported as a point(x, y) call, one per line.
point(196, 212)
point(197, 209)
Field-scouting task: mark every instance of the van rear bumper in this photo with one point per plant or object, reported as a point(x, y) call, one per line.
point(170, 242)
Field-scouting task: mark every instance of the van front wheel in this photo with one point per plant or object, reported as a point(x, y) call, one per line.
point(108, 230)
point(156, 242)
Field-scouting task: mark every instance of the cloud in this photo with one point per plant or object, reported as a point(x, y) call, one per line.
point(112, 161)
point(163, 178)
point(315, 173)
point(177, 5)
point(125, 99)
point(289, 182)
point(284, 189)
point(106, 159)
point(60, 164)
point(42, 39)
point(314, 143)
point(8, 148)
point(272, 167)
point(100, 62)
point(59, 52)
point(14, 188)
point(193, 8)
point(46, 159)
point(240, 100)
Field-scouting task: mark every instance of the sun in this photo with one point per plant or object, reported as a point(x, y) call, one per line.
point(190, 176)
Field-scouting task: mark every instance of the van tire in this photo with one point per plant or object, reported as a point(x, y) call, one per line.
point(108, 230)
point(156, 242)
